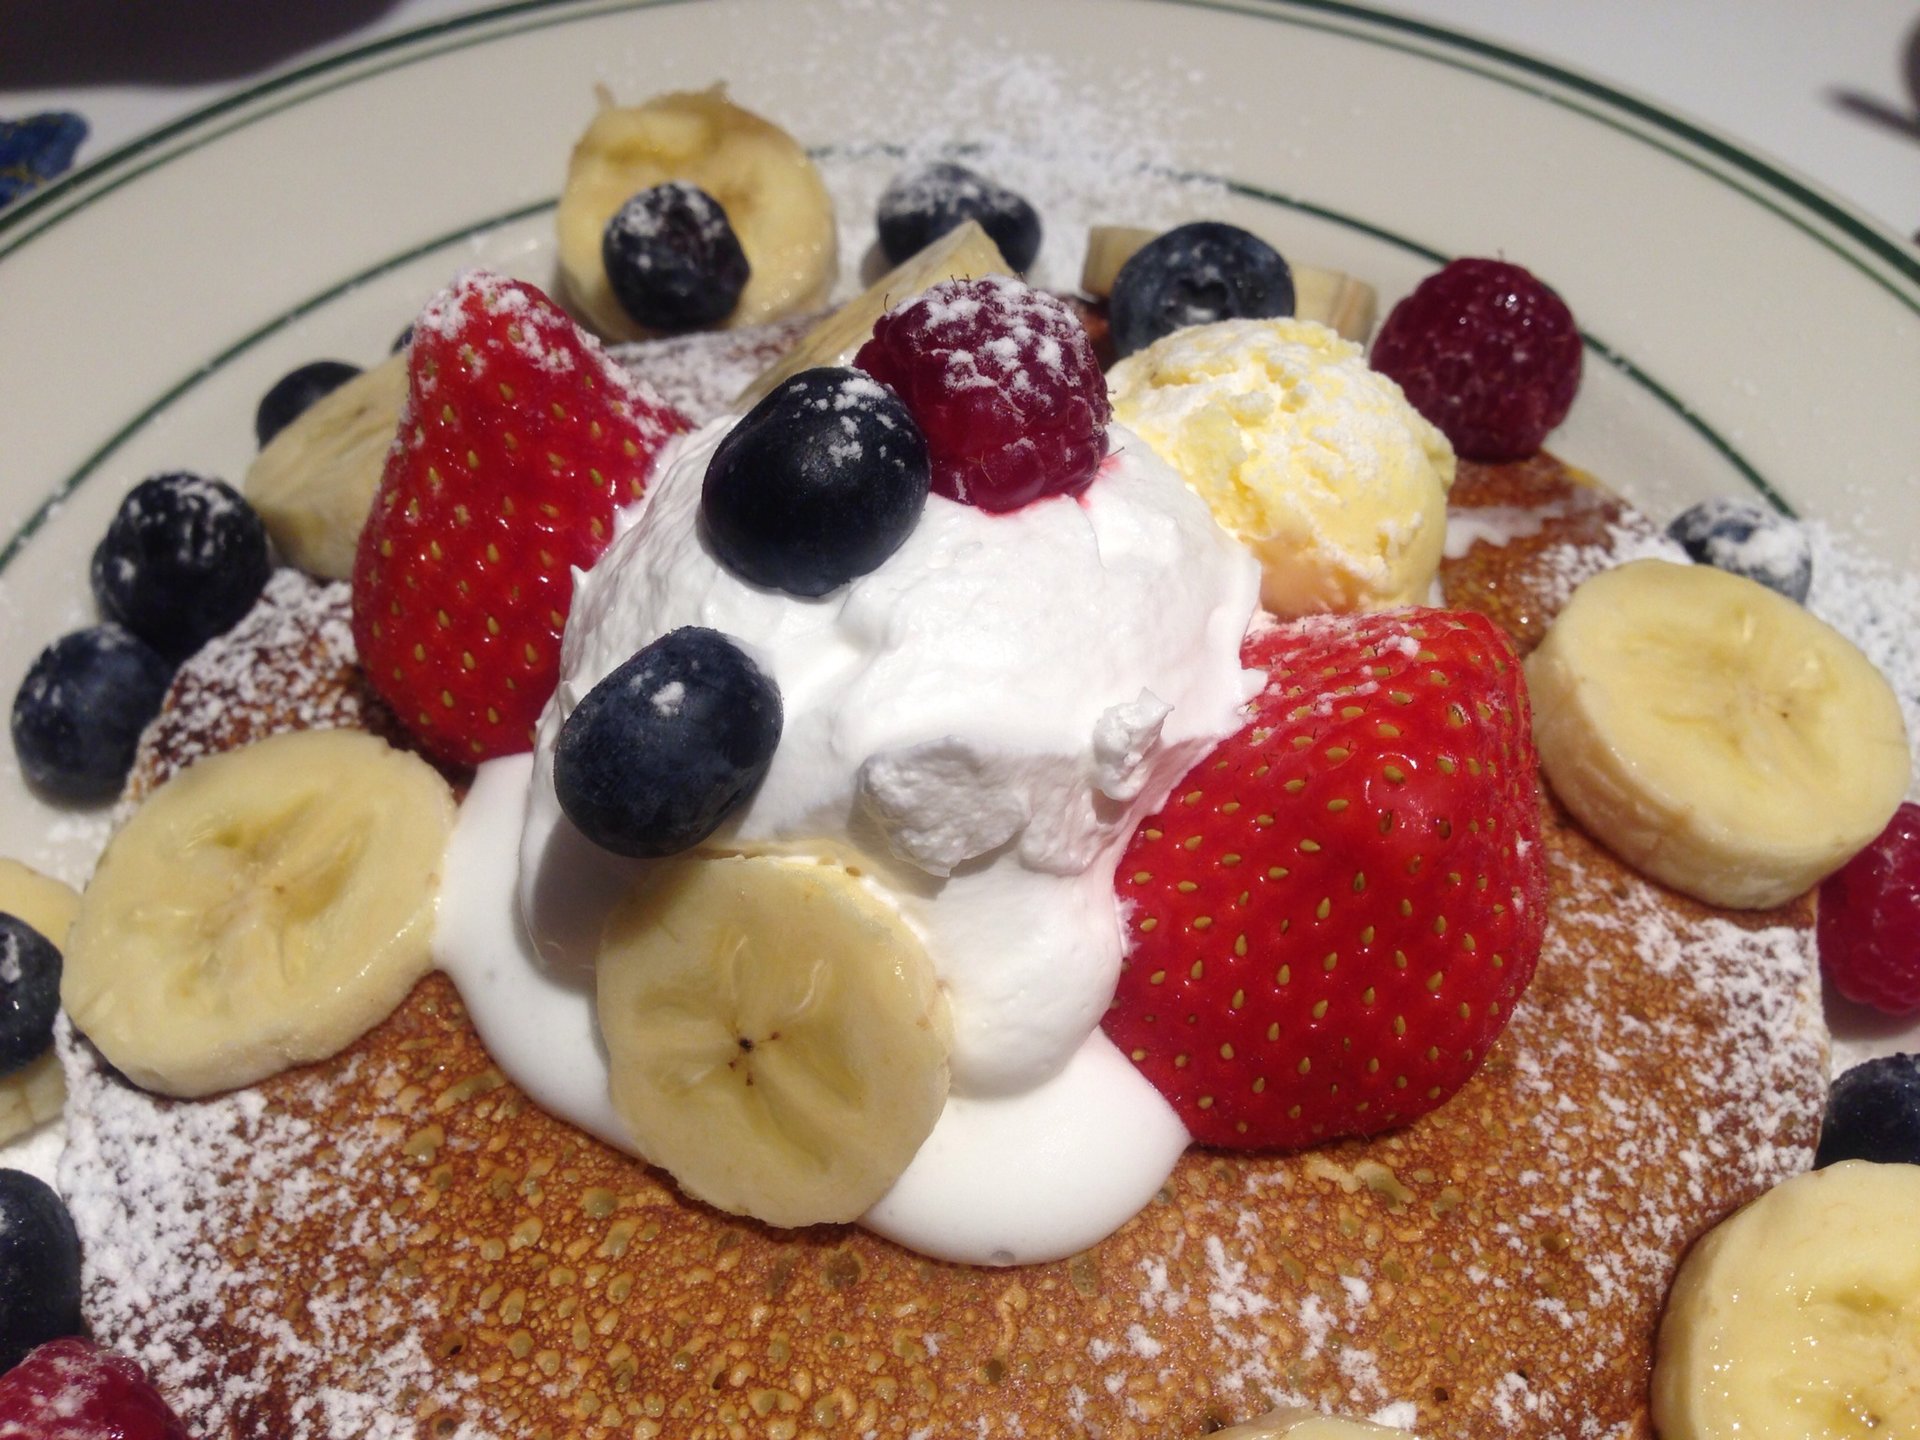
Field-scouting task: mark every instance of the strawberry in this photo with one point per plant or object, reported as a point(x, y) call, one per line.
point(73, 1389)
point(1332, 917)
point(519, 440)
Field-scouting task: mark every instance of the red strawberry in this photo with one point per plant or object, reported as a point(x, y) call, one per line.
point(519, 440)
point(74, 1390)
point(1331, 919)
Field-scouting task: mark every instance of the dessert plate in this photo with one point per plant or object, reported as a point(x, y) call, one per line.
point(1746, 332)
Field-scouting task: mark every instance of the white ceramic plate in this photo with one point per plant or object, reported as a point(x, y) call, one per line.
point(1747, 332)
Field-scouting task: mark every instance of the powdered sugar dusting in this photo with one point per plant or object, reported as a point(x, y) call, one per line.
point(168, 1172)
point(290, 664)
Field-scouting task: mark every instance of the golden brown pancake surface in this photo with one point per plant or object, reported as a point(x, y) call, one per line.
point(397, 1243)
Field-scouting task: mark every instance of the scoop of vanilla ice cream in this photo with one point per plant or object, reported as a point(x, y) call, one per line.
point(1306, 454)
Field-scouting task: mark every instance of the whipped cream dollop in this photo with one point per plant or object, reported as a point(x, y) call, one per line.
point(983, 718)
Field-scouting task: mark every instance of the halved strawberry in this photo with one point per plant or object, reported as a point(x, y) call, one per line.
point(519, 440)
point(1332, 917)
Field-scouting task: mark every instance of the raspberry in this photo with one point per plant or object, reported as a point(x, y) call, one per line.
point(74, 1390)
point(1869, 927)
point(1002, 380)
point(1487, 353)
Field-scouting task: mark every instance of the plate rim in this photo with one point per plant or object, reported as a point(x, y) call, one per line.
point(1798, 201)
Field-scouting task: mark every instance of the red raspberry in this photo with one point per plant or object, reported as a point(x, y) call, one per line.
point(1002, 380)
point(1869, 929)
point(1487, 353)
point(74, 1390)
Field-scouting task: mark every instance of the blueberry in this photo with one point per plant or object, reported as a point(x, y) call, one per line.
point(922, 205)
point(81, 709)
point(819, 482)
point(1873, 1113)
point(293, 392)
point(1745, 538)
point(183, 561)
point(39, 1267)
point(1193, 275)
point(668, 745)
point(29, 993)
point(672, 258)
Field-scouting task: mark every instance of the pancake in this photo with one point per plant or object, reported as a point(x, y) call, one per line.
point(398, 1243)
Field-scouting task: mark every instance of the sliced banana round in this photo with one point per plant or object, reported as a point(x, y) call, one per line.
point(314, 483)
point(762, 177)
point(1799, 1317)
point(778, 1040)
point(1714, 735)
point(264, 908)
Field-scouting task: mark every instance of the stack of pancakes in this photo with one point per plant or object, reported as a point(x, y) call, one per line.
point(397, 1243)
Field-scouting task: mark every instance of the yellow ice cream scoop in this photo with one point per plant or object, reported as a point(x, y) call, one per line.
point(1312, 459)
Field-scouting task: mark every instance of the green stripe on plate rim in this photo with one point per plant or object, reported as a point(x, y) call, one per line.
point(1805, 207)
point(466, 233)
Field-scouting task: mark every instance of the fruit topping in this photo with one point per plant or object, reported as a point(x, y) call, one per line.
point(80, 710)
point(1486, 352)
point(35, 1092)
point(313, 484)
point(295, 392)
point(1004, 384)
point(39, 1269)
point(183, 559)
point(672, 258)
point(922, 205)
point(818, 483)
point(668, 745)
point(29, 993)
point(777, 1036)
point(1331, 919)
point(1714, 735)
point(264, 908)
point(1310, 459)
point(965, 253)
point(1195, 274)
point(73, 1389)
point(1869, 919)
point(1873, 1113)
point(1338, 301)
point(1292, 1422)
point(1799, 1317)
point(1745, 538)
point(521, 439)
point(756, 172)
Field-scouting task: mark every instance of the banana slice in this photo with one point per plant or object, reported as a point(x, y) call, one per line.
point(40, 900)
point(965, 252)
point(1290, 1422)
point(262, 909)
point(773, 196)
point(314, 483)
point(31, 1096)
point(1337, 300)
point(35, 1093)
point(1713, 734)
point(1800, 1316)
point(777, 1038)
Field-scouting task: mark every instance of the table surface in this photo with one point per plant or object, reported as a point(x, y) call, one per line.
point(1831, 91)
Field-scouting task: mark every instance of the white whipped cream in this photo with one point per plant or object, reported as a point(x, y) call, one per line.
point(989, 713)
